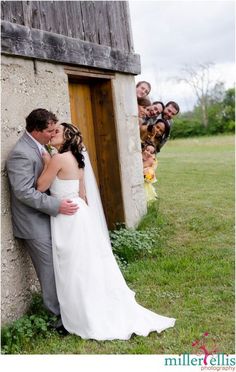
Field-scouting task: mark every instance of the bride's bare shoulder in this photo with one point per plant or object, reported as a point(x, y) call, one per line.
point(62, 156)
point(66, 157)
point(59, 159)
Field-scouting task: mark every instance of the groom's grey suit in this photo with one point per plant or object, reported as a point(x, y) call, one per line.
point(31, 211)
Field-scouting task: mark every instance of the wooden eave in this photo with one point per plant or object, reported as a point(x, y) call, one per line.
point(28, 42)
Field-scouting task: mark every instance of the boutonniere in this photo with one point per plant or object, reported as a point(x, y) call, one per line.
point(49, 149)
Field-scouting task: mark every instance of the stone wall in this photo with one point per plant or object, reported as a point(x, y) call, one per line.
point(129, 148)
point(26, 85)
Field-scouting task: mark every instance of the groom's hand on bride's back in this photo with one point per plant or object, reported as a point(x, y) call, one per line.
point(68, 207)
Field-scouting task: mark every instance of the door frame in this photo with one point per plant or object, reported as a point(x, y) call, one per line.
point(80, 72)
point(111, 192)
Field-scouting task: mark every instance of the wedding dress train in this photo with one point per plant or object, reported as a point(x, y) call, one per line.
point(95, 301)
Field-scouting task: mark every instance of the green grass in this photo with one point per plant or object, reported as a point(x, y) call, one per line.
point(190, 275)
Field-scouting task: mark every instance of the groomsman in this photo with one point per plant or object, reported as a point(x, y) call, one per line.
point(171, 109)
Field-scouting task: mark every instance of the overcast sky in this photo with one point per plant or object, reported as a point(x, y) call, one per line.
point(171, 34)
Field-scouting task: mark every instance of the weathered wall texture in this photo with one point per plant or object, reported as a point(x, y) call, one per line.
point(128, 138)
point(88, 33)
point(27, 85)
point(100, 22)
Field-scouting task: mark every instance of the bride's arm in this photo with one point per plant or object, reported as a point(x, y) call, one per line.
point(50, 170)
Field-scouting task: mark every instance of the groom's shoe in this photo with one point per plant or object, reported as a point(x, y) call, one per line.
point(55, 323)
point(58, 327)
point(61, 330)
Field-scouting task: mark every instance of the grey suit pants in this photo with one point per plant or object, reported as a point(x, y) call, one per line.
point(40, 252)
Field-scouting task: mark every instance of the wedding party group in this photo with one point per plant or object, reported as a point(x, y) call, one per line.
point(155, 123)
point(58, 215)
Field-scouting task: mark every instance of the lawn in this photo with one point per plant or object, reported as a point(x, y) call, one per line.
point(190, 274)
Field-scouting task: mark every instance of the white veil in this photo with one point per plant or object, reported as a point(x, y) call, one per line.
point(93, 195)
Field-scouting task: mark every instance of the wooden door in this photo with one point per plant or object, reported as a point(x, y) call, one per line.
point(82, 117)
point(107, 151)
point(92, 111)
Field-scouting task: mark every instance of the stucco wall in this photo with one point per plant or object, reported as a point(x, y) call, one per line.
point(27, 85)
point(129, 148)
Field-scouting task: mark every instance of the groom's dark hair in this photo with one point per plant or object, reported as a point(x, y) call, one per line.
point(39, 119)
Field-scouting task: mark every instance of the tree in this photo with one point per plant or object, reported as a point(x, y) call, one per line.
point(199, 79)
point(228, 113)
point(220, 111)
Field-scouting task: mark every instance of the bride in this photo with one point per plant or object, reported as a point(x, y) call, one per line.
point(95, 301)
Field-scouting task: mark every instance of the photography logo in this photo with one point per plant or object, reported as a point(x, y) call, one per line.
point(206, 354)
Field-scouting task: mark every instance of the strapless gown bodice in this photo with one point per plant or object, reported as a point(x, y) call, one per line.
point(64, 189)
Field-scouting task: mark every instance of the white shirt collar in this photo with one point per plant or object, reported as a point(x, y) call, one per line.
point(40, 147)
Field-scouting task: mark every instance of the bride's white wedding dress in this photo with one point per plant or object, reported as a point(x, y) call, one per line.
point(95, 301)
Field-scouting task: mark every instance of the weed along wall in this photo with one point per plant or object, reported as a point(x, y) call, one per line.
point(62, 81)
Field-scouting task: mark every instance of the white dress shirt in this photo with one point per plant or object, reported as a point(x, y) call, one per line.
point(40, 147)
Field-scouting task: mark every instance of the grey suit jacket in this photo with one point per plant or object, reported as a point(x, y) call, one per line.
point(30, 208)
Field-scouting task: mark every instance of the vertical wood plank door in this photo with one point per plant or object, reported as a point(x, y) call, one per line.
point(82, 117)
point(107, 150)
point(92, 111)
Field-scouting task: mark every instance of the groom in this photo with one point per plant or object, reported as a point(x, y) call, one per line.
point(31, 209)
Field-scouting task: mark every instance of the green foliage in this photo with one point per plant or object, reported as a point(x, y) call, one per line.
point(185, 127)
point(129, 245)
point(228, 113)
point(220, 113)
point(23, 331)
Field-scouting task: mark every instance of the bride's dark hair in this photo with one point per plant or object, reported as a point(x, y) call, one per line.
point(73, 142)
